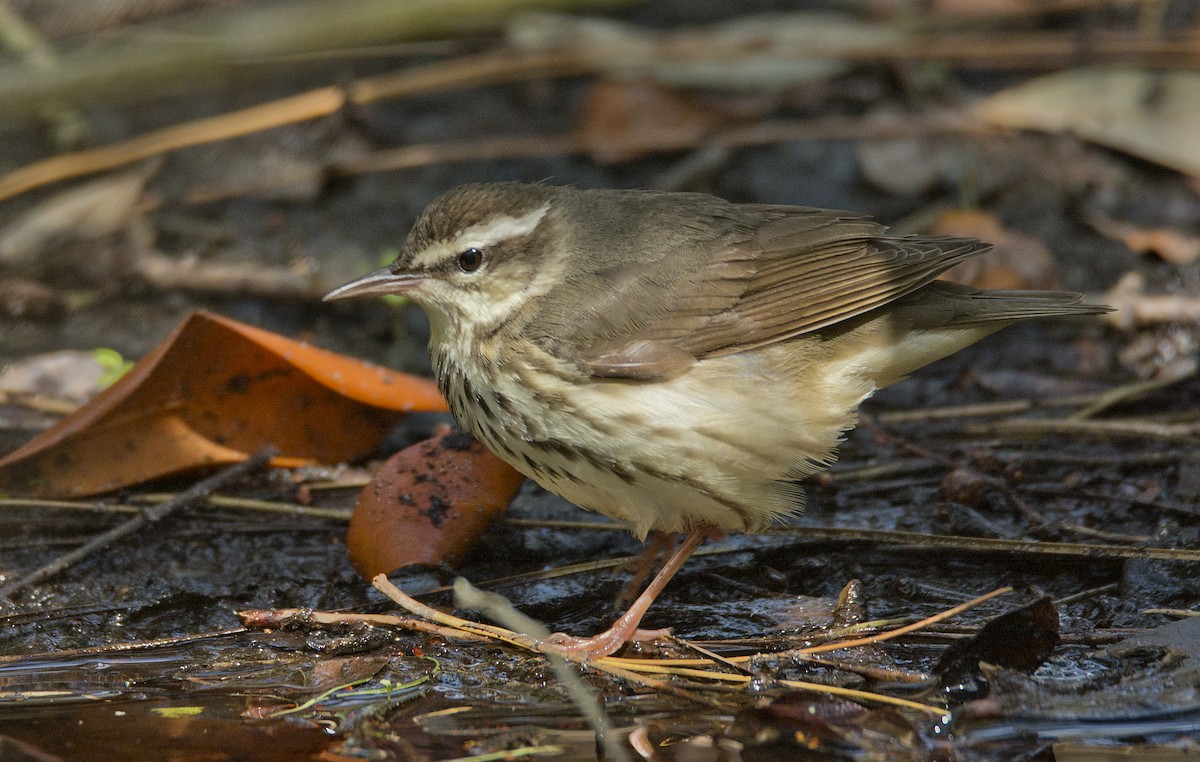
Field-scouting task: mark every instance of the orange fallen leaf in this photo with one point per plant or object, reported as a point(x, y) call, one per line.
point(428, 504)
point(210, 394)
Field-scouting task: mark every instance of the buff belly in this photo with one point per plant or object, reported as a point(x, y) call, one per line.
point(721, 446)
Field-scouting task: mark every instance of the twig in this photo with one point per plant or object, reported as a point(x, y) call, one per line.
point(1111, 587)
point(1127, 428)
point(1099, 534)
point(75, 505)
point(263, 619)
point(1031, 516)
point(848, 472)
point(1075, 459)
point(155, 498)
point(977, 544)
point(628, 669)
point(891, 634)
point(469, 71)
point(413, 606)
point(1074, 494)
point(1127, 392)
point(264, 506)
point(919, 539)
point(149, 516)
point(883, 674)
point(977, 409)
point(116, 648)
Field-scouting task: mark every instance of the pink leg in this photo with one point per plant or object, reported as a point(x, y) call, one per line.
point(626, 629)
point(659, 544)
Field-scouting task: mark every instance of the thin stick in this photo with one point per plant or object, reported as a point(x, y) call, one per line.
point(116, 648)
point(1127, 428)
point(986, 543)
point(469, 71)
point(149, 516)
point(501, 609)
point(262, 619)
point(890, 634)
point(383, 585)
point(919, 539)
point(217, 501)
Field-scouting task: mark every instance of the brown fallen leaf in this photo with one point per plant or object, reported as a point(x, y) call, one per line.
point(210, 394)
point(1019, 261)
point(1021, 639)
point(620, 118)
point(1170, 245)
point(29, 299)
point(95, 209)
point(68, 375)
point(428, 504)
point(1147, 113)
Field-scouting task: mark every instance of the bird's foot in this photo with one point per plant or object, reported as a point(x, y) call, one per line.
point(626, 628)
point(606, 643)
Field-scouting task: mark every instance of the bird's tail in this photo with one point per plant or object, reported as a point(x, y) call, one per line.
point(1007, 306)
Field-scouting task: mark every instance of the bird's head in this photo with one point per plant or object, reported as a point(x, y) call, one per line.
point(473, 257)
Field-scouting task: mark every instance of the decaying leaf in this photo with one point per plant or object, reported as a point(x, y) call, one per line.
point(69, 375)
point(1149, 688)
point(620, 118)
point(807, 725)
point(428, 504)
point(92, 210)
point(1150, 114)
point(210, 394)
point(1020, 640)
point(770, 51)
point(1172, 246)
point(1019, 261)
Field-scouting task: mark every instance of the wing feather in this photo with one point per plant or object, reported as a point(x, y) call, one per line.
point(753, 276)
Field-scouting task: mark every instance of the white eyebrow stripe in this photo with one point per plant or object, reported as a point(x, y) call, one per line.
point(482, 236)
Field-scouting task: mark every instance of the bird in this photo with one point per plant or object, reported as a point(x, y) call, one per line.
point(675, 361)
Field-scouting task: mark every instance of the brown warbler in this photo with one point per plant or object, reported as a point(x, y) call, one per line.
point(672, 360)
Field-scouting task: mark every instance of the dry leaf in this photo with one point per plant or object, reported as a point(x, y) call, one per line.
point(1154, 115)
point(621, 121)
point(770, 51)
point(93, 210)
point(70, 375)
point(1019, 261)
point(211, 393)
point(1170, 245)
point(29, 299)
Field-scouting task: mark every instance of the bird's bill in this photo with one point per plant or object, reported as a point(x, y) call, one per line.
point(376, 283)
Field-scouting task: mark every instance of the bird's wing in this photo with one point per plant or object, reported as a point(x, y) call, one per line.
point(771, 274)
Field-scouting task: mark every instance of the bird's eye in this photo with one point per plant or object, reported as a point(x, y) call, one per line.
point(470, 259)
